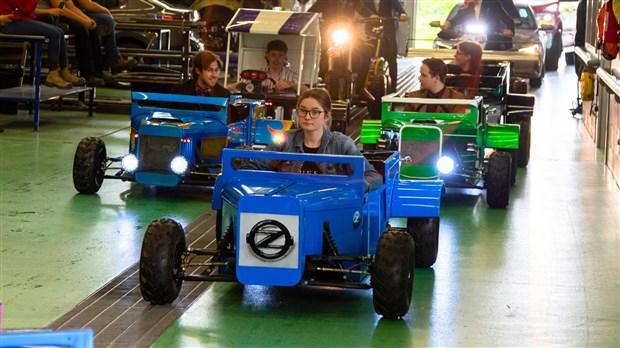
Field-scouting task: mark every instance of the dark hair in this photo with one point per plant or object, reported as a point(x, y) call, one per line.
point(474, 50)
point(322, 96)
point(203, 59)
point(277, 45)
point(437, 67)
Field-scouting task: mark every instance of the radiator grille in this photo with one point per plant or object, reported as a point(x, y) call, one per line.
point(156, 152)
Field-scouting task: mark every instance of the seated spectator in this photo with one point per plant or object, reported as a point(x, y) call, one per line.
point(314, 136)
point(106, 27)
point(432, 82)
point(86, 36)
point(23, 23)
point(276, 69)
point(467, 59)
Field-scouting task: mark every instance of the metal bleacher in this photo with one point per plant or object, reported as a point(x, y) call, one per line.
point(32, 92)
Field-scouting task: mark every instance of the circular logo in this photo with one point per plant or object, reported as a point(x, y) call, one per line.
point(357, 219)
point(269, 239)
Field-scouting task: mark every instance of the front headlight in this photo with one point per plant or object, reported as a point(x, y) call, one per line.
point(532, 49)
point(475, 29)
point(340, 36)
point(445, 165)
point(179, 165)
point(129, 163)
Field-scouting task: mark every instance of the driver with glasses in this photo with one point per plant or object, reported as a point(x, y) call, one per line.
point(314, 136)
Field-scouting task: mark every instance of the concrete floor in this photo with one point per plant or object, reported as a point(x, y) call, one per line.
point(544, 272)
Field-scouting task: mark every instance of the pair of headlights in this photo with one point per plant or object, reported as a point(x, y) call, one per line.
point(178, 165)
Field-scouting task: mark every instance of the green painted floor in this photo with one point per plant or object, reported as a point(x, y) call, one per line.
point(544, 272)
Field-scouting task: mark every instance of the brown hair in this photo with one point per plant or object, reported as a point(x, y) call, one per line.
point(277, 45)
point(322, 96)
point(474, 50)
point(437, 67)
point(203, 59)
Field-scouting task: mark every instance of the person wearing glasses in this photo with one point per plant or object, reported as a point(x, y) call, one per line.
point(314, 136)
point(433, 86)
point(467, 65)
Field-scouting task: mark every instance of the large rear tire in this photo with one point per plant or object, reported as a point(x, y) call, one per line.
point(379, 88)
point(425, 234)
point(514, 155)
point(392, 274)
point(498, 180)
point(89, 165)
point(553, 54)
point(570, 58)
point(525, 138)
point(161, 261)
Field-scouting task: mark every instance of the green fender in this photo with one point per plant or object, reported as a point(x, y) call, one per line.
point(370, 132)
point(502, 136)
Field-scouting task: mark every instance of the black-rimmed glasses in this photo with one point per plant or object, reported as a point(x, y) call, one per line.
point(314, 113)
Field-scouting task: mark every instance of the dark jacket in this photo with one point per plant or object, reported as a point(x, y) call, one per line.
point(189, 88)
point(387, 8)
point(332, 9)
point(495, 18)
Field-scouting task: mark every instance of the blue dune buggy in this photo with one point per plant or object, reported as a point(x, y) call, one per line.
point(169, 146)
point(289, 229)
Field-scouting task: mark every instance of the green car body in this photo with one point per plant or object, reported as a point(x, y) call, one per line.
point(466, 139)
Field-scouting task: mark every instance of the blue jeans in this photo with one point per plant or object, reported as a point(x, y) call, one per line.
point(56, 48)
point(106, 28)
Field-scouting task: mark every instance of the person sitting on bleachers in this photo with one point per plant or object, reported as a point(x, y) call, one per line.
point(23, 23)
point(432, 82)
point(106, 26)
point(86, 37)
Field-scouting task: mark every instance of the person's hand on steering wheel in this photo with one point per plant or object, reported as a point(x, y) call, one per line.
point(283, 85)
point(507, 33)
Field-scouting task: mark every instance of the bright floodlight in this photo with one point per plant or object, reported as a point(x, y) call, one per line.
point(340, 36)
point(179, 165)
point(445, 164)
point(129, 163)
point(476, 29)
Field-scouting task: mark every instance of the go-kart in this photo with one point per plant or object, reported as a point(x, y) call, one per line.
point(255, 28)
point(256, 84)
point(506, 97)
point(169, 146)
point(290, 229)
point(460, 158)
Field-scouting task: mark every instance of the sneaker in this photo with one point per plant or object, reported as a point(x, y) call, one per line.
point(53, 79)
point(68, 76)
point(123, 64)
point(64, 26)
point(93, 81)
